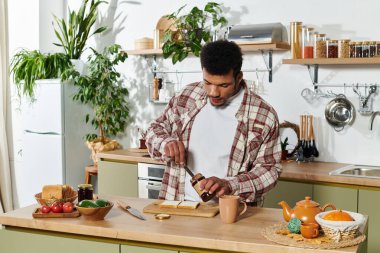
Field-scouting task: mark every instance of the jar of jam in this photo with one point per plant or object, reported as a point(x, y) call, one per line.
point(203, 194)
point(85, 191)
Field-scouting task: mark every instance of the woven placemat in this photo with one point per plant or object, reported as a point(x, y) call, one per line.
point(270, 234)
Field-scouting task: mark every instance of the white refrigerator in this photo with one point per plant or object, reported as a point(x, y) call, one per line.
point(53, 144)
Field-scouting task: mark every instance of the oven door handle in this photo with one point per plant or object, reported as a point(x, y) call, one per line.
point(154, 187)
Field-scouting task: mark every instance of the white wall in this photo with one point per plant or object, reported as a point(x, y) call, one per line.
point(338, 19)
point(30, 27)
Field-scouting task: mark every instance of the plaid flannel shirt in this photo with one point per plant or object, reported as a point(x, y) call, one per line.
point(254, 163)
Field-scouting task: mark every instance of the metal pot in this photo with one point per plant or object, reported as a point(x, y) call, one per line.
point(339, 112)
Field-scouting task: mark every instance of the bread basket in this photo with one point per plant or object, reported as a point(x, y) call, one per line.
point(68, 195)
point(341, 230)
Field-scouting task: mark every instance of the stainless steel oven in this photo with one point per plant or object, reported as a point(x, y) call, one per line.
point(149, 179)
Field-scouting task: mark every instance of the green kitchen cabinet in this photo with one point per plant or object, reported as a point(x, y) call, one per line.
point(136, 249)
point(369, 204)
point(290, 192)
point(341, 197)
point(16, 241)
point(116, 178)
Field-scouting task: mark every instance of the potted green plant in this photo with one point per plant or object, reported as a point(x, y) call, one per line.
point(284, 151)
point(74, 33)
point(191, 31)
point(103, 91)
point(29, 66)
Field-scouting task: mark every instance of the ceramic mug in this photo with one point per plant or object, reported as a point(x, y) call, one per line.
point(310, 230)
point(228, 207)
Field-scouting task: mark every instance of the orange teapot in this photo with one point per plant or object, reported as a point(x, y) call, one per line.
point(305, 210)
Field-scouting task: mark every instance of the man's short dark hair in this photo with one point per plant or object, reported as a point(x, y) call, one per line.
point(219, 57)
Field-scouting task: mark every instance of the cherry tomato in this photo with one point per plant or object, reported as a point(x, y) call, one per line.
point(68, 207)
point(45, 209)
point(56, 208)
point(58, 203)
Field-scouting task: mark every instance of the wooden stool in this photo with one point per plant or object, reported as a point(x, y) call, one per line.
point(88, 172)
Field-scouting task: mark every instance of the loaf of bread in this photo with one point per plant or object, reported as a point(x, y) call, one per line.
point(52, 191)
point(169, 204)
point(188, 205)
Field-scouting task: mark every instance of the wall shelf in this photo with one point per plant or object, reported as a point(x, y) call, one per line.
point(333, 61)
point(266, 50)
point(280, 46)
point(313, 64)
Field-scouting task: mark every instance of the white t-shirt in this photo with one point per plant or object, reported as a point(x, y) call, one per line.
point(211, 139)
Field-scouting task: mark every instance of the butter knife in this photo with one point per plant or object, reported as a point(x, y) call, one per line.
point(168, 159)
point(130, 209)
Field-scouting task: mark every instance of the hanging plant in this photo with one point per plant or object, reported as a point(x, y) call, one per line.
point(29, 66)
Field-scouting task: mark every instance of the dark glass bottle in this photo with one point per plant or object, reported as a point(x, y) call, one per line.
point(203, 194)
point(85, 191)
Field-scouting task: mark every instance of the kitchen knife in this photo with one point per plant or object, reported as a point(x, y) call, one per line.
point(191, 174)
point(131, 210)
point(168, 159)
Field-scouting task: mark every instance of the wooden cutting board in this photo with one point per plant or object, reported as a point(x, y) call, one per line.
point(203, 210)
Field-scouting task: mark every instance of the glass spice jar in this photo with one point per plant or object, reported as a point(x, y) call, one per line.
point(365, 49)
point(320, 46)
point(352, 49)
point(296, 40)
point(377, 47)
point(343, 48)
point(307, 42)
point(372, 49)
point(332, 49)
point(203, 194)
point(85, 191)
point(358, 50)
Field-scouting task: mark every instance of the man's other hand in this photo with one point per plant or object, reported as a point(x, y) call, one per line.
point(175, 150)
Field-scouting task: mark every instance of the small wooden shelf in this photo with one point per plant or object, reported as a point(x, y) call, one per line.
point(244, 47)
point(333, 61)
point(155, 51)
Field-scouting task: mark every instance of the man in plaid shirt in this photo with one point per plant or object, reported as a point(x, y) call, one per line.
point(219, 128)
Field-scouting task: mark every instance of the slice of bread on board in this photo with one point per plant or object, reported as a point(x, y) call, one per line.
point(188, 205)
point(169, 204)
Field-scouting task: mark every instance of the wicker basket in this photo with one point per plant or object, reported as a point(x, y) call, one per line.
point(68, 195)
point(341, 230)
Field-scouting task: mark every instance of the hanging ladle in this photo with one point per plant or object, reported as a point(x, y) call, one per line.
point(314, 150)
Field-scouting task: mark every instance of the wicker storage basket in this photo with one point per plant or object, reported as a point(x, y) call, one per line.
point(341, 230)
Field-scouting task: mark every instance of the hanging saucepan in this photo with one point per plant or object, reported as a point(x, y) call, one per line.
point(339, 112)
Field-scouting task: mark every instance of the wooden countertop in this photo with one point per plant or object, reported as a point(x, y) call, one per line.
point(181, 231)
point(123, 155)
point(291, 170)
